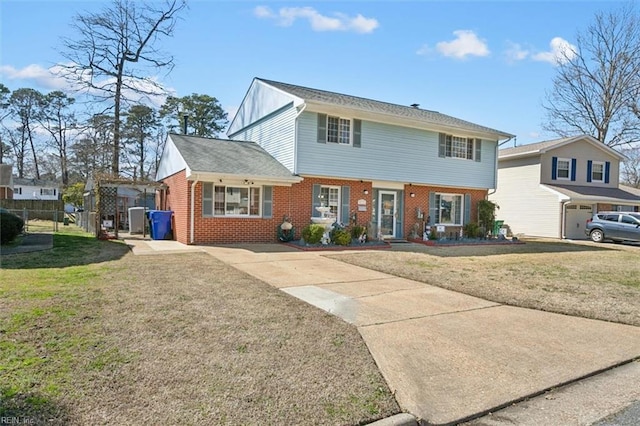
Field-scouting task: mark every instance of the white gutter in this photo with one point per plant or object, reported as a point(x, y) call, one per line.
point(563, 221)
point(192, 218)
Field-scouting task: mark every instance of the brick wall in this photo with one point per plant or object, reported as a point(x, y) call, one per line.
point(294, 202)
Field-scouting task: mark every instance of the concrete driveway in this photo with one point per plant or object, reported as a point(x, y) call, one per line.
point(447, 356)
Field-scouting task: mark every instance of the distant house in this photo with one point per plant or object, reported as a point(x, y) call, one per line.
point(392, 168)
point(6, 182)
point(35, 189)
point(551, 188)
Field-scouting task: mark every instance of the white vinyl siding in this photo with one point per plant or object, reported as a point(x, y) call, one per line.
point(276, 134)
point(391, 153)
point(525, 205)
point(582, 152)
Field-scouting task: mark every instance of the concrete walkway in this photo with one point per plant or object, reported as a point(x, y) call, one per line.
point(449, 357)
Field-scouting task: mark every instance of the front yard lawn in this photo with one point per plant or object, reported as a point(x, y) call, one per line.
point(91, 334)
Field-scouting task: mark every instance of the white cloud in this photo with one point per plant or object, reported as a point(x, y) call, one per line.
point(561, 51)
point(47, 78)
point(465, 44)
point(286, 16)
point(515, 52)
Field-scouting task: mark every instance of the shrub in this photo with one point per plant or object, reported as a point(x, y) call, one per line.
point(357, 231)
point(471, 230)
point(312, 234)
point(10, 227)
point(341, 237)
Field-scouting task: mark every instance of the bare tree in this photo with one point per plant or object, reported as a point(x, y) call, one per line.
point(597, 84)
point(56, 118)
point(630, 173)
point(4, 113)
point(115, 53)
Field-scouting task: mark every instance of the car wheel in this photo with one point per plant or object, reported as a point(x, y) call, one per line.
point(597, 236)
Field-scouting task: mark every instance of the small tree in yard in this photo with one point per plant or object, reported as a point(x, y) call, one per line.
point(487, 215)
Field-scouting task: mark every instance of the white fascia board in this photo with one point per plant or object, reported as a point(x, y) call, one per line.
point(235, 179)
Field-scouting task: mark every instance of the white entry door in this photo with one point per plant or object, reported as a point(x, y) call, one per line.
point(387, 205)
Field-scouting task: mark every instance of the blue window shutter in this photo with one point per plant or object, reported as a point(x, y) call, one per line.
point(554, 168)
point(267, 201)
point(357, 133)
point(400, 215)
point(433, 209)
point(345, 204)
point(607, 167)
point(442, 145)
point(478, 143)
point(315, 202)
point(322, 128)
point(467, 209)
point(589, 167)
point(573, 169)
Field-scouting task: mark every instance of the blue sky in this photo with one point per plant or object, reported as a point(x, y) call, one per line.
point(489, 62)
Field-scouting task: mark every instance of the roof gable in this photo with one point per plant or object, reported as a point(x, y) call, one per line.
point(402, 115)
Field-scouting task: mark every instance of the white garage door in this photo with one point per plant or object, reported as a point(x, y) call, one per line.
point(576, 219)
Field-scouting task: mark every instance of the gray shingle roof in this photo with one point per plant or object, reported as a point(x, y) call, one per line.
point(369, 105)
point(220, 156)
point(595, 192)
point(533, 147)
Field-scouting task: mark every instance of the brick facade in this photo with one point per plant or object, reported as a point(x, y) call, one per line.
point(294, 202)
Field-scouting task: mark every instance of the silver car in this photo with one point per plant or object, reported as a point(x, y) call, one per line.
point(614, 226)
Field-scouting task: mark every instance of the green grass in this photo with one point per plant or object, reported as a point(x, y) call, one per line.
point(48, 322)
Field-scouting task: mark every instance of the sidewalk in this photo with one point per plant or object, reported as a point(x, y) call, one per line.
point(449, 357)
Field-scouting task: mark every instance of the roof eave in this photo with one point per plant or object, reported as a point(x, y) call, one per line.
point(233, 178)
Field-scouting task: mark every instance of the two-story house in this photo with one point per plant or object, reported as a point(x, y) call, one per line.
point(390, 167)
point(551, 188)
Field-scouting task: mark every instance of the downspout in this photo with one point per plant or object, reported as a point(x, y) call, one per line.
point(563, 222)
point(193, 206)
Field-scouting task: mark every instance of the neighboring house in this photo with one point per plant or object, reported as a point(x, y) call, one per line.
point(390, 167)
point(550, 189)
point(6, 182)
point(35, 189)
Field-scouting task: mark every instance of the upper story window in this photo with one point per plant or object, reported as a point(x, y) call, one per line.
point(459, 147)
point(597, 171)
point(563, 168)
point(230, 200)
point(338, 130)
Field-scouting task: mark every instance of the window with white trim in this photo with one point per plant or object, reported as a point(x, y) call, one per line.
point(597, 171)
point(459, 147)
point(330, 196)
point(18, 190)
point(230, 200)
point(338, 130)
point(47, 191)
point(563, 168)
point(449, 209)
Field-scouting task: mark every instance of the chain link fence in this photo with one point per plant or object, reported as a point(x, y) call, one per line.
point(38, 221)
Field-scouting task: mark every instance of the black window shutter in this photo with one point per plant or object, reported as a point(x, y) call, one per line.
point(573, 169)
point(322, 128)
point(478, 149)
point(607, 167)
point(554, 168)
point(442, 145)
point(589, 168)
point(357, 133)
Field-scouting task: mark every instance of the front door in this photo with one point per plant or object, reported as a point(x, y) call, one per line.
point(387, 206)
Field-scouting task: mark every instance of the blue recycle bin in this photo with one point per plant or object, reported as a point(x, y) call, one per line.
point(160, 224)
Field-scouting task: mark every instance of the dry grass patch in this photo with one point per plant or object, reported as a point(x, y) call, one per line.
point(177, 339)
point(599, 282)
